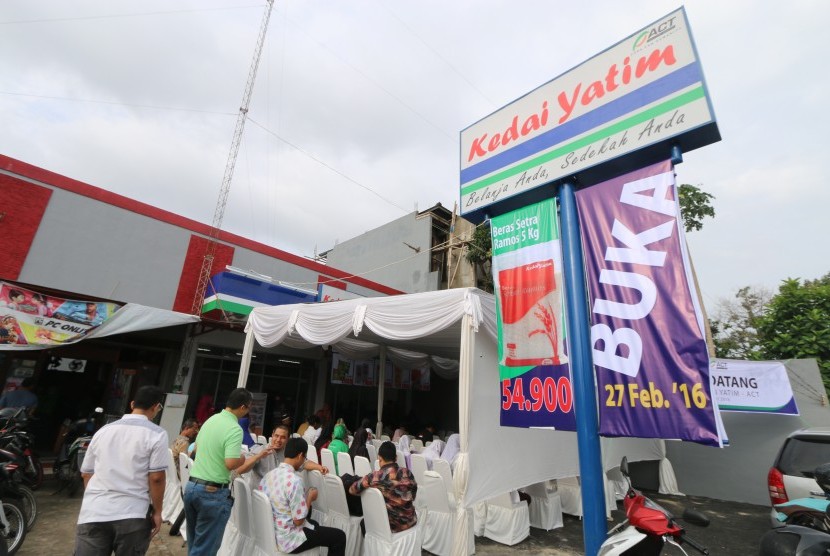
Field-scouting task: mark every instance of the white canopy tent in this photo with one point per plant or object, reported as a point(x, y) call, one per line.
point(443, 326)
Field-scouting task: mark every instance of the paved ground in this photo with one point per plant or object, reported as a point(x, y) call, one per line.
point(735, 530)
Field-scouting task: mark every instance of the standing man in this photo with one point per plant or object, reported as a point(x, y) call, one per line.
point(263, 459)
point(207, 498)
point(397, 486)
point(290, 507)
point(124, 475)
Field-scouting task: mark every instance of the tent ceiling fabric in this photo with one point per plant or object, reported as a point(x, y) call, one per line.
point(432, 318)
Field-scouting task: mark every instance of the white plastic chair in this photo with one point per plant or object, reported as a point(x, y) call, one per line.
point(373, 454)
point(344, 464)
point(507, 521)
point(379, 539)
point(416, 445)
point(172, 503)
point(312, 453)
point(265, 540)
point(319, 508)
point(545, 506)
point(362, 467)
point(338, 514)
point(439, 524)
point(261, 440)
point(327, 459)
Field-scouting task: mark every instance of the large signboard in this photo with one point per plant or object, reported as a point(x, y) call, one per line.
point(534, 374)
point(752, 386)
point(643, 92)
point(29, 318)
point(648, 346)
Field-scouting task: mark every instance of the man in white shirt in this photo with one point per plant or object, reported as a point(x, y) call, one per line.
point(124, 476)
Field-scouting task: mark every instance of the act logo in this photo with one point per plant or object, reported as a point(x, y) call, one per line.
point(655, 32)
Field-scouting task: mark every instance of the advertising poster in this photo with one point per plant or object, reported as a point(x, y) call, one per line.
point(647, 341)
point(256, 414)
point(342, 370)
point(534, 373)
point(29, 318)
point(752, 386)
point(364, 372)
point(420, 378)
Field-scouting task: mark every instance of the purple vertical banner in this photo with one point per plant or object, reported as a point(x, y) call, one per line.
point(647, 340)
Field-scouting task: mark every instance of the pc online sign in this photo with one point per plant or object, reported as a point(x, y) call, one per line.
point(608, 124)
point(633, 100)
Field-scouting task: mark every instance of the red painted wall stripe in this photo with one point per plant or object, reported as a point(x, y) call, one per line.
point(116, 200)
point(22, 205)
point(331, 282)
point(192, 267)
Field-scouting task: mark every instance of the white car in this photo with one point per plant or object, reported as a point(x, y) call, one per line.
point(791, 476)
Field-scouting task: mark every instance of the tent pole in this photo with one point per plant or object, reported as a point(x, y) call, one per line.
point(585, 403)
point(381, 382)
point(245, 366)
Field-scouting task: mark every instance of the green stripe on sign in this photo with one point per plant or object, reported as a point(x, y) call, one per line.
point(671, 104)
point(227, 306)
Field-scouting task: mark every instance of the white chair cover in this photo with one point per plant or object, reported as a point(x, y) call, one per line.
point(373, 454)
point(238, 538)
point(379, 539)
point(439, 521)
point(261, 440)
point(362, 467)
point(507, 522)
point(376, 442)
point(172, 504)
point(545, 506)
point(419, 467)
point(668, 481)
point(442, 467)
point(338, 514)
point(265, 540)
point(312, 453)
point(319, 509)
point(384, 438)
point(344, 464)
point(185, 463)
point(327, 458)
point(570, 495)
point(401, 459)
point(416, 445)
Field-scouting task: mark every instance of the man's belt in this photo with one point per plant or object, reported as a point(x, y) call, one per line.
point(208, 483)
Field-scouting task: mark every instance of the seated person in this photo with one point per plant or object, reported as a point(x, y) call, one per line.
point(312, 431)
point(190, 428)
point(290, 506)
point(264, 459)
point(397, 486)
point(338, 444)
point(358, 447)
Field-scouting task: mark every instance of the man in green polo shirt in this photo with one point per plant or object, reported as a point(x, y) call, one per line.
point(207, 498)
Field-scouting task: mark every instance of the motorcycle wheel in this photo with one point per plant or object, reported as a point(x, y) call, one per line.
point(75, 479)
point(16, 532)
point(29, 503)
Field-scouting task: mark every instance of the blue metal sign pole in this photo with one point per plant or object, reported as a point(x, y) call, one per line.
point(585, 403)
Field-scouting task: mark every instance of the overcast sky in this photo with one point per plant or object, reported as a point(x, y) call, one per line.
point(358, 105)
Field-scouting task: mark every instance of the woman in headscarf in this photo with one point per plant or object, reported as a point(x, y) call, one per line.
point(323, 440)
point(432, 452)
point(403, 446)
point(358, 447)
point(451, 450)
point(338, 444)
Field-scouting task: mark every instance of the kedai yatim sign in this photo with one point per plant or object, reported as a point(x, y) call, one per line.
point(640, 95)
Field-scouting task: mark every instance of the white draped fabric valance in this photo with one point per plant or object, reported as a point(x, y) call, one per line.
point(356, 327)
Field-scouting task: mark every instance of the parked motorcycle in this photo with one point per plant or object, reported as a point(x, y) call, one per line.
point(76, 438)
point(15, 438)
point(649, 527)
point(12, 485)
point(806, 530)
point(12, 526)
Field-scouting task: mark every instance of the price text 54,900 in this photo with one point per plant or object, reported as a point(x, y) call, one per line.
point(550, 394)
